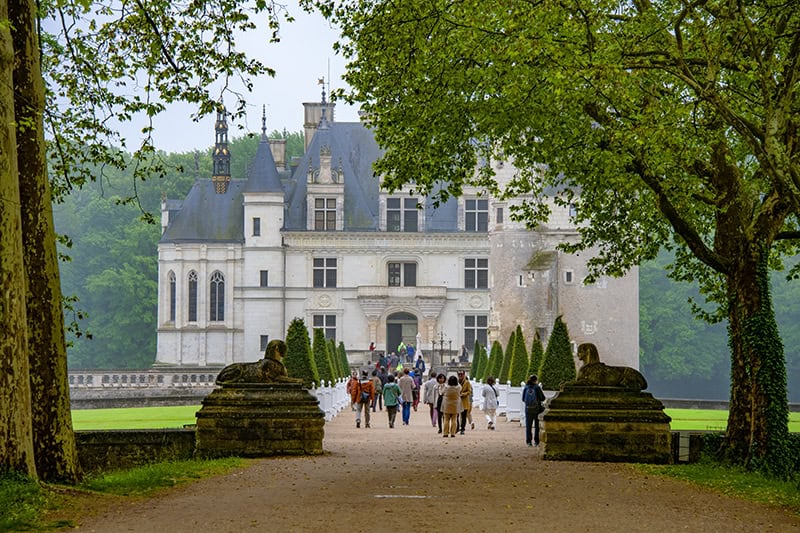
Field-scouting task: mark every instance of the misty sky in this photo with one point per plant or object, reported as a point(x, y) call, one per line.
point(301, 58)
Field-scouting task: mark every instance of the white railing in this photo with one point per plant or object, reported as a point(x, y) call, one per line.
point(332, 397)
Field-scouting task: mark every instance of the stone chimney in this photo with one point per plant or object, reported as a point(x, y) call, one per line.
point(278, 148)
point(313, 114)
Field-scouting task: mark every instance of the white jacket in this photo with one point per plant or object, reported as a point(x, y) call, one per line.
point(489, 397)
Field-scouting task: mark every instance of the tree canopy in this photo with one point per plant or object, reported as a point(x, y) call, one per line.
point(665, 124)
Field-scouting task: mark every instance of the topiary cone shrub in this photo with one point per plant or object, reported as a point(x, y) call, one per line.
point(298, 361)
point(558, 365)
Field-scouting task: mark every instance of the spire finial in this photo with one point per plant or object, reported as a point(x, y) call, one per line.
point(321, 81)
point(264, 122)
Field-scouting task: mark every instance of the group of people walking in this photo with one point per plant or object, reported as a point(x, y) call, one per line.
point(449, 400)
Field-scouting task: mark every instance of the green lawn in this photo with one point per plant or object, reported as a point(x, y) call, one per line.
point(134, 417)
point(178, 416)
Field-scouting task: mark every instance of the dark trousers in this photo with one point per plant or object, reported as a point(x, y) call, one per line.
point(377, 400)
point(391, 410)
point(531, 420)
point(439, 416)
point(462, 421)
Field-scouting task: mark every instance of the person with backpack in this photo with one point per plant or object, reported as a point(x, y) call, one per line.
point(489, 394)
point(391, 398)
point(533, 398)
point(378, 385)
point(362, 395)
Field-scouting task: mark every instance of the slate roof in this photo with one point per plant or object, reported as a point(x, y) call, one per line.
point(263, 176)
point(209, 217)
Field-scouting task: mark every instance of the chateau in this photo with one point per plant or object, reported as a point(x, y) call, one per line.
point(319, 239)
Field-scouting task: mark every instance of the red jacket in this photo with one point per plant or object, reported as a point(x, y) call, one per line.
point(364, 385)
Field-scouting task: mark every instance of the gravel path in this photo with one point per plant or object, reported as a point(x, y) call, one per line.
point(410, 478)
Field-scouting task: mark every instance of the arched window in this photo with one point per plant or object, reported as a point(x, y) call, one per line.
point(172, 295)
point(217, 299)
point(192, 296)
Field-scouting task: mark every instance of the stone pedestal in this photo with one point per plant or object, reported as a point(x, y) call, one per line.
point(593, 423)
point(257, 420)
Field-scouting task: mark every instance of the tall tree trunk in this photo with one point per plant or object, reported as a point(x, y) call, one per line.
point(53, 438)
point(757, 434)
point(16, 440)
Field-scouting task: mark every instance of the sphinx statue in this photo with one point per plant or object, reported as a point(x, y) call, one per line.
point(593, 373)
point(270, 369)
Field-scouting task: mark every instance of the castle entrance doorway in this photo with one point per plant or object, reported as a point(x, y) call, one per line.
point(400, 327)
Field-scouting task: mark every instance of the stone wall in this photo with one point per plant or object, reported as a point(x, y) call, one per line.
point(119, 449)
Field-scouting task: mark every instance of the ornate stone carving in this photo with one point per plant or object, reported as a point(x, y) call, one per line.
point(268, 370)
point(593, 373)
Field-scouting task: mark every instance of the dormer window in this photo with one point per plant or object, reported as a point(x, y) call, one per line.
point(325, 214)
point(402, 214)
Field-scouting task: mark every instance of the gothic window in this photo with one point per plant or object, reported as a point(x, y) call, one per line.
point(475, 329)
point(500, 215)
point(402, 274)
point(173, 286)
point(256, 226)
point(476, 213)
point(192, 296)
point(402, 214)
point(263, 342)
point(217, 299)
point(325, 272)
point(476, 273)
point(327, 323)
point(325, 214)
point(264, 278)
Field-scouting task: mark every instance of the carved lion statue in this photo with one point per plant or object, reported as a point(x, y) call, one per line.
point(595, 373)
point(270, 369)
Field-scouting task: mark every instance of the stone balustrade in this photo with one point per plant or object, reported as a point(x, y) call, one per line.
point(151, 378)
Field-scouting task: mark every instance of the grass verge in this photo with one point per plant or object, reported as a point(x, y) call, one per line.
point(26, 505)
point(732, 481)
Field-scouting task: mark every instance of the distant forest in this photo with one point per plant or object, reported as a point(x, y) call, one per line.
point(111, 271)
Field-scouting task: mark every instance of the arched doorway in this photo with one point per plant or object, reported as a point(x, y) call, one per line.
point(400, 327)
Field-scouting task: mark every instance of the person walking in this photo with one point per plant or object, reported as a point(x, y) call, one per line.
point(406, 384)
point(429, 395)
point(438, 396)
point(489, 394)
point(466, 401)
point(391, 397)
point(451, 403)
point(378, 384)
point(533, 398)
point(416, 375)
point(362, 396)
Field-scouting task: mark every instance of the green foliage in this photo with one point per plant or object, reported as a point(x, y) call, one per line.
point(22, 501)
point(335, 360)
point(518, 373)
point(112, 267)
point(482, 365)
point(671, 119)
point(103, 66)
point(537, 355)
point(476, 351)
point(558, 365)
point(761, 334)
point(508, 355)
point(321, 357)
point(149, 479)
point(495, 363)
point(299, 360)
point(345, 363)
